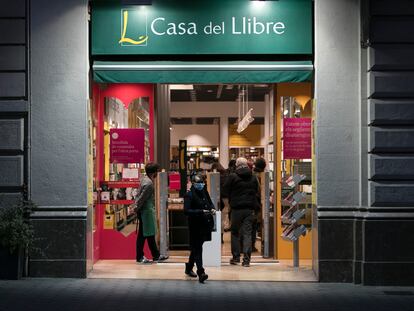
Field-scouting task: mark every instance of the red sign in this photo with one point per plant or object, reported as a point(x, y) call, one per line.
point(175, 182)
point(127, 145)
point(297, 138)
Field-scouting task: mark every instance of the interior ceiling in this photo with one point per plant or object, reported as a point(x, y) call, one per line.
point(212, 120)
point(219, 92)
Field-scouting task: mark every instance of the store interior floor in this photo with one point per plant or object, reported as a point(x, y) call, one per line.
point(261, 269)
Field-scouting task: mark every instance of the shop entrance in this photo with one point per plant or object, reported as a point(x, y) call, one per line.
point(142, 53)
point(205, 117)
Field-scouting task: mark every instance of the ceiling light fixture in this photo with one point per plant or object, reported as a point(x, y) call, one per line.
point(243, 104)
point(181, 87)
point(245, 122)
point(219, 91)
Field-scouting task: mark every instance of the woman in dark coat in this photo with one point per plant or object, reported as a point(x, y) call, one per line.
point(199, 208)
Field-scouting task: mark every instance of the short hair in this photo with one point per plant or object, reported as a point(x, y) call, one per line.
point(197, 178)
point(241, 162)
point(151, 168)
point(260, 164)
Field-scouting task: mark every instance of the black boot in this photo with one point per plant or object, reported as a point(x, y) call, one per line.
point(202, 276)
point(189, 270)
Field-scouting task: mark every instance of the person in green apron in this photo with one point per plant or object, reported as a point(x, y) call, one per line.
point(145, 208)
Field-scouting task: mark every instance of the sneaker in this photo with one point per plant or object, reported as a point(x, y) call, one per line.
point(234, 261)
point(161, 258)
point(144, 261)
point(246, 264)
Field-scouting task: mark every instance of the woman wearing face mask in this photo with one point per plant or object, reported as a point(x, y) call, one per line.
point(199, 208)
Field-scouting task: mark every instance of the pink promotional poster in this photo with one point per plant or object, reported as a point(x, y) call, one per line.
point(127, 145)
point(297, 138)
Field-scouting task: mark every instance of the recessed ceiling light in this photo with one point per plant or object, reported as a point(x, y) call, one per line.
point(181, 87)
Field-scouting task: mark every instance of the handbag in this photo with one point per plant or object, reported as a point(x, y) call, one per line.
point(210, 224)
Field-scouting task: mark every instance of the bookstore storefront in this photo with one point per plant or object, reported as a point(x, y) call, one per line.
point(99, 68)
point(143, 56)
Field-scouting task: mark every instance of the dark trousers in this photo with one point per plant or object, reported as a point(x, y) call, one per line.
point(196, 255)
point(255, 226)
point(241, 224)
point(141, 241)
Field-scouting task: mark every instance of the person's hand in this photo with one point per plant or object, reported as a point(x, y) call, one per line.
point(213, 211)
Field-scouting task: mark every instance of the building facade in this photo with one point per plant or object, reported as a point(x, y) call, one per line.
point(363, 89)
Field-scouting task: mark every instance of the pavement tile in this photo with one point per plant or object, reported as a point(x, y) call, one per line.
point(126, 295)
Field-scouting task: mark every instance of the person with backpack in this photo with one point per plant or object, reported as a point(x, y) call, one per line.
point(200, 210)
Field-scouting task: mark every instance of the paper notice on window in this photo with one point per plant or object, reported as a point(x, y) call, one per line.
point(130, 173)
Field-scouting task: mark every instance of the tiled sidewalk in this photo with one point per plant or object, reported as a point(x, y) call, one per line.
point(126, 295)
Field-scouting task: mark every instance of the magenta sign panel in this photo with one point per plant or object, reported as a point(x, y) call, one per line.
point(127, 145)
point(297, 138)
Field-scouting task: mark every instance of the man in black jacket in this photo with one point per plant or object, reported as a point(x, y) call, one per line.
point(241, 188)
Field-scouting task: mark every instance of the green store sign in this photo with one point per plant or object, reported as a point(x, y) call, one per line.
point(202, 27)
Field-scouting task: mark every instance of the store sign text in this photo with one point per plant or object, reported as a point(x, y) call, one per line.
point(214, 27)
point(297, 138)
point(126, 145)
point(161, 26)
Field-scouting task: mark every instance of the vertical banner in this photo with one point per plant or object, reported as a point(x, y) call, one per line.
point(127, 145)
point(297, 138)
point(182, 151)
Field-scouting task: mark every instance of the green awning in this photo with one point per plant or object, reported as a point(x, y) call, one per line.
point(202, 72)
